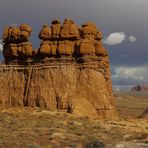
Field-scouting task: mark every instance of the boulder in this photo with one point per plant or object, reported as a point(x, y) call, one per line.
point(89, 30)
point(15, 34)
point(53, 46)
point(65, 28)
point(48, 48)
point(69, 30)
point(7, 34)
point(45, 33)
point(66, 47)
point(26, 49)
point(87, 47)
point(44, 48)
point(10, 34)
point(74, 31)
point(26, 27)
point(25, 32)
point(15, 39)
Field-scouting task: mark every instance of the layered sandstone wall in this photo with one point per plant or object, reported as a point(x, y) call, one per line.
point(76, 88)
point(69, 72)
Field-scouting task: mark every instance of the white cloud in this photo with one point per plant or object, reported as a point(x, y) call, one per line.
point(126, 77)
point(115, 38)
point(1, 46)
point(118, 38)
point(132, 38)
point(135, 73)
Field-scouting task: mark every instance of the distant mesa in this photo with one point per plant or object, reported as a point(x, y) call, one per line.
point(140, 88)
point(70, 71)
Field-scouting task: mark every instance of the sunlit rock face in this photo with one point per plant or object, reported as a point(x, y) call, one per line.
point(69, 72)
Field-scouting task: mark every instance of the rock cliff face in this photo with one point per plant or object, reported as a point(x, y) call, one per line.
point(69, 72)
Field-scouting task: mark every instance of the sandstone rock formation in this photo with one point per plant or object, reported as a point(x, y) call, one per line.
point(16, 42)
point(56, 25)
point(45, 33)
point(69, 30)
point(59, 40)
point(70, 71)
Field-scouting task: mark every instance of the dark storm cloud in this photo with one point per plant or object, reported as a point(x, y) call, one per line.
point(129, 16)
point(111, 16)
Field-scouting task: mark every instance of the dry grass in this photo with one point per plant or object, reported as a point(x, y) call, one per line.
point(35, 128)
point(131, 104)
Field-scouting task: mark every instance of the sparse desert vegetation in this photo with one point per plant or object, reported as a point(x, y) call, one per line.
point(131, 104)
point(35, 127)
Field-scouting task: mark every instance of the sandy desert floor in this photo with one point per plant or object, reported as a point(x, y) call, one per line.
point(36, 128)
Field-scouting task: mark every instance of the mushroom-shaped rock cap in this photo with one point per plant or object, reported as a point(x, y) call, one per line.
point(45, 32)
point(69, 30)
point(55, 22)
point(25, 27)
point(89, 29)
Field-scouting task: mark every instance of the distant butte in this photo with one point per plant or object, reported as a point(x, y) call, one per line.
point(69, 72)
point(140, 88)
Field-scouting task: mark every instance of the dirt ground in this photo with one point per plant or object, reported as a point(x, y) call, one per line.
point(36, 128)
point(131, 104)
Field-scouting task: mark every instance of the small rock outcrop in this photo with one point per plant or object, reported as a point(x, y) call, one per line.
point(70, 71)
point(140, 88)
point(16, 44)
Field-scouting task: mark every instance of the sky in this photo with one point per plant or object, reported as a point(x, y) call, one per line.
point(124, 24)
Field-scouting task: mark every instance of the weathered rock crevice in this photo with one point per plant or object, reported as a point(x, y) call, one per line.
point(27, 86)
